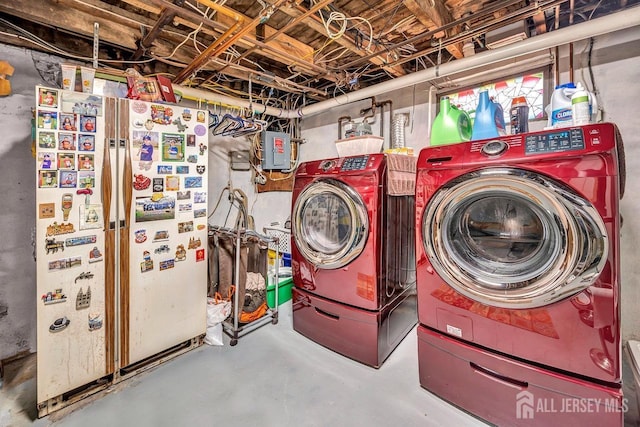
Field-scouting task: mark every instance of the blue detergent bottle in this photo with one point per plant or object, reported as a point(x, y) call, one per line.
point(451, 126)
point(489, 120)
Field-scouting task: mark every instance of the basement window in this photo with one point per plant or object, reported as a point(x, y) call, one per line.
point(529, 85)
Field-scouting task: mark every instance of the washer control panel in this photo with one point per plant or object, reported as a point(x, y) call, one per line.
point(355, 163)
point(550, 142)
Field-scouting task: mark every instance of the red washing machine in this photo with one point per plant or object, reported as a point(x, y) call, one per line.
point(353, 258)
point(517, 270)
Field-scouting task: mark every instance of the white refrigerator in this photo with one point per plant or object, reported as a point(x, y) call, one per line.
point(121, 240)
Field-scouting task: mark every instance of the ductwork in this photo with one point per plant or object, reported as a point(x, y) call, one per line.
point(606, 24)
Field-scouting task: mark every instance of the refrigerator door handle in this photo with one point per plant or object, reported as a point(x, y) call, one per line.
point(127, 180)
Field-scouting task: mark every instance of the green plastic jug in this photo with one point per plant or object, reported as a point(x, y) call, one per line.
point(451, 125)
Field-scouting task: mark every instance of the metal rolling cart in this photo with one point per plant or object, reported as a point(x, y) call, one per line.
point(256, 261)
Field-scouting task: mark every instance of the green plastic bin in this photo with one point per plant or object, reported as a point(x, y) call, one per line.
point(284, 292)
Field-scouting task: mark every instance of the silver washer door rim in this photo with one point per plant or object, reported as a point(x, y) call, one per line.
point(573, 240)
point(357, 237)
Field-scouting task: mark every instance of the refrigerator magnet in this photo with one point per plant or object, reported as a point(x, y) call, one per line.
point(59, 324)
point(85, 275)
point(191, 140)
point(56, 229)
point(47, 97)
point(172, 183)
point(47, 140)
point(48, 179)
point(66, 161)
point(54, 297)
point(68, 179)
point(68, 122)
point(87, 142)
point(200, 255)
point(154, 208)
point(95, 321)
point(173, 145)
point(66, 205)
point(203, 149)
point(86, 179)
point(161, 236)
point(185, 227)
point(200, 169)
point(46, 210)
point(192, 182)
point(192, 158)
point(166, 264)
point(91, 216)
point(158, 185)
point(86, 104)
point(140, 236)
point(165, 169)
point(84, 240)
point(86, 162)
point(186, 115)
point(52, 245)
point(147, 262)
point(185, 207)
point(194, 243)
point(181, 253)
point(95, 255)
point(181, 126)
point(182, 169)
point(145, 145)
point(141, 182)
point(161, 114)
point(83, 299)
point(87, 124)
point(199, 213)
point(184, 195)
point(65, 263)
point(199, 197)
point(66, 141)
point(47, 119)
point(46, 159)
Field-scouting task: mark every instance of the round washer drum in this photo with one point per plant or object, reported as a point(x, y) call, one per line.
point(511, 238)
point(330, 224)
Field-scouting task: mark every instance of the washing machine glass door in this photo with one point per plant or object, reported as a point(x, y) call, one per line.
point(514, 239)
point(330, 224)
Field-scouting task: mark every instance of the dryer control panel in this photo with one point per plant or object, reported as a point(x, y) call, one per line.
point(355, 163)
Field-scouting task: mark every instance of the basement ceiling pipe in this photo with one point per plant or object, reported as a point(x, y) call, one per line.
point(606, 24)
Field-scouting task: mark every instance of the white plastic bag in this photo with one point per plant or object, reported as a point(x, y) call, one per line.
point(214, 335)
point(217, 311)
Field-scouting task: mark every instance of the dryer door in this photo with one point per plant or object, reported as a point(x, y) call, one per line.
point(512, 238)
point(330, 224)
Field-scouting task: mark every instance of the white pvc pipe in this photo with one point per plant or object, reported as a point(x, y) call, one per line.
point(606, 24)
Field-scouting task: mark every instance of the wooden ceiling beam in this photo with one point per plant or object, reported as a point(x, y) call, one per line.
point(314, 23)
point(165, 18)
point(434, 14)
point(277, 49)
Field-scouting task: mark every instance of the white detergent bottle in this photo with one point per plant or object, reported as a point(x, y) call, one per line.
point(583, 106)
point(560, 114)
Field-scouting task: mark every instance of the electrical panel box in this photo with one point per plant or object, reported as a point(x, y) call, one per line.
point(276, 151)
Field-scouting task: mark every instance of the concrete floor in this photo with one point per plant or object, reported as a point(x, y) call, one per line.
point(273, 377)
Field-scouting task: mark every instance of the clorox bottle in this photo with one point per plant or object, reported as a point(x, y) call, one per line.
point(451, 125)
point(489, 120)
point(560, 114)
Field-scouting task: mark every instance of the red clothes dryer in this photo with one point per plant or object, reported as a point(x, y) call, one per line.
point(353, 257)
point(517, 268)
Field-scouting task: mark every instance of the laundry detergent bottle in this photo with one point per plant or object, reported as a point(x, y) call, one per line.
point(489, 120)
point(451, 125)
